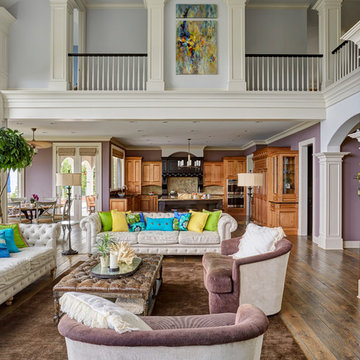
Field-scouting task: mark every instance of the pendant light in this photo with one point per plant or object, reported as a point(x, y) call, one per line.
point(181, 163)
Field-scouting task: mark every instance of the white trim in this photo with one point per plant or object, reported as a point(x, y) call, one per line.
point(303, 187)
point(277, 6)
point(351, 244)
point(114, 6)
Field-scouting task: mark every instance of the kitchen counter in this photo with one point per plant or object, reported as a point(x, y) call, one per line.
point(166, 203)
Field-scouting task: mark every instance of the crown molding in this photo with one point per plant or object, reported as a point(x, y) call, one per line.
point(277, 6)
point(114, 6)
point(253, 143)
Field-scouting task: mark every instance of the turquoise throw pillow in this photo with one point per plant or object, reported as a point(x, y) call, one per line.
point(138, 226)
point(10, 242)
point(181, 221)
point(4, 252)
point(162, 224)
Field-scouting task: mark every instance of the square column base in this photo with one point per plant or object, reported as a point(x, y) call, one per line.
point(155, 85)
point(237, 85)
point(330, 243)
point(58, 85)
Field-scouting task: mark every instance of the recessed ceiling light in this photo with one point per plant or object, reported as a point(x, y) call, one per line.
point(245, 131)
point(73, 132)
point(139, 130)
point(19, 123)
point(44, 132)
point(52, 123)
point(132, 121)
point(195, 122)
point(164, 122)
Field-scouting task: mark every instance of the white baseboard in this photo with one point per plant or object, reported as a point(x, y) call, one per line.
point(315, 239)
point(351, 244)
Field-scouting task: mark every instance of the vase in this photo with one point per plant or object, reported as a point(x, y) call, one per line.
point(104, 261)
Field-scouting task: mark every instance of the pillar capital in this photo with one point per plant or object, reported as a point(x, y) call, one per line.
point(322, 4)
point(235, 3)
point(331, 156)
point(6, 19)
point(154, 3)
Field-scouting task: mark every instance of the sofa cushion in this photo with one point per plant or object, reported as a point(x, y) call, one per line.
point(159, 224)
point(12, 270)
point(35, 255)
point(218, 270)
point(195, 238)
point(158, 237)
point(130, 237)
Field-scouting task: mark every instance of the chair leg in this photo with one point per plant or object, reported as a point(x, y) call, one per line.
point(9, 301)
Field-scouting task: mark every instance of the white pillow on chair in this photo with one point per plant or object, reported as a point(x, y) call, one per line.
point(258, 240)
point(97, 312)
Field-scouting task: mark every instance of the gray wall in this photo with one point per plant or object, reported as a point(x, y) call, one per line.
point(29, 44)
point(276, 31)
point(116, 30)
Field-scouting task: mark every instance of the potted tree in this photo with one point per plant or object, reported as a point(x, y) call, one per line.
point(15, 154)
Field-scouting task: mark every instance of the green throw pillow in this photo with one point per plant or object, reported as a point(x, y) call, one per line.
point(212, 220)
point(106, 220)
point(19, 240)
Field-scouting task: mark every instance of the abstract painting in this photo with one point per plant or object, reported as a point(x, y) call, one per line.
point(196, 47)
point(208, 11)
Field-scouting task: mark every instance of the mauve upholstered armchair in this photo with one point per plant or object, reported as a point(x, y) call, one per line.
point(257, 280)
point(211, 337)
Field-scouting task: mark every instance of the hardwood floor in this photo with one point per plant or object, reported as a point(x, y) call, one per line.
point(320, 304)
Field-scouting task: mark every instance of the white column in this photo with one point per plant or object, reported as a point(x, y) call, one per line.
point(60, 43)
point(236, 53)
point(330, 232)
point(6, 19)
point(329, 12)
point(155, 40)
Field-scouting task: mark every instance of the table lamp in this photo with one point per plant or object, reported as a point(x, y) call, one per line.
point(250, 180)
point(68, 180)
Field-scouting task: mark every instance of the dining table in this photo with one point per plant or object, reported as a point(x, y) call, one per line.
point(29, 210)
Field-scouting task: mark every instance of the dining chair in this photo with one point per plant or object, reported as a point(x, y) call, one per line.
point(45, 211)
point(14, 210)
point(90, 203)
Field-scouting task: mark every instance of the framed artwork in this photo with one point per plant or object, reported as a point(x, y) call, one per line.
point(208, 11)
point(196, 47)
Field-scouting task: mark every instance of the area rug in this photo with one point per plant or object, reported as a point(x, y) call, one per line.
point(29, 333)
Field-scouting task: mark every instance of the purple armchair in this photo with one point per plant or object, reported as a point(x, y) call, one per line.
point(210, 337)
point(257, 280)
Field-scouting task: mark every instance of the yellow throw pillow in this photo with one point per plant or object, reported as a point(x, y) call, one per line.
point(197, 221)
point(119, 222)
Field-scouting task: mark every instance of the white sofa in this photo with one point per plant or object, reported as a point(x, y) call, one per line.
point(163, 242)
point(23, 268)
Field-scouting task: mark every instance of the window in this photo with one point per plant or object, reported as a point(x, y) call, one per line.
point(15, 184)
point(117, 168)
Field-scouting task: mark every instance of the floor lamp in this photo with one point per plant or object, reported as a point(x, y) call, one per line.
point(68, 180)
point(250, 180)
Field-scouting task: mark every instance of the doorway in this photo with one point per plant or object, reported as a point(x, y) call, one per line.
point(306, 187)
point(84, 159)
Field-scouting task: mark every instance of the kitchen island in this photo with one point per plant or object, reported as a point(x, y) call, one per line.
point(166, 204)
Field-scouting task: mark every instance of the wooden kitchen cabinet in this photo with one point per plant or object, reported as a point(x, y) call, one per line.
point(149, 203)
point(233, 166)
point(213, 173)
point(119, 204)
point(133, 175)
point(276, 202)
point(151, 173)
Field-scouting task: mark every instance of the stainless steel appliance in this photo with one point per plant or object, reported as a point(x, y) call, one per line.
point(235, 195)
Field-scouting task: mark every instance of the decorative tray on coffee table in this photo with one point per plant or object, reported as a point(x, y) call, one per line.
point(124, 270)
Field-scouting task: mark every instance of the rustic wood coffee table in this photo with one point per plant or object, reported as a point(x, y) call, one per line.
point(137, 292)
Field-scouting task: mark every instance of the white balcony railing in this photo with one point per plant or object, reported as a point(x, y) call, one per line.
point(108, 72)
point(283, 72)
point(346, 59)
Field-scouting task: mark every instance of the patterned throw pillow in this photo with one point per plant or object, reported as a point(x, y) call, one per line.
point(160, 224)
point(4, 252)
point(136, 222)
point(181, 221)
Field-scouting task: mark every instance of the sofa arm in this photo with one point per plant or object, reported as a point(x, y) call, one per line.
point(92, 226)
point(226, 225)
point(41, 235)
point(231, 246)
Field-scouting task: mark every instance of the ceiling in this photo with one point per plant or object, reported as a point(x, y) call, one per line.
point(140, 133)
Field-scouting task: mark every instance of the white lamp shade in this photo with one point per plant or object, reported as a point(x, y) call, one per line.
point(68, 179)
point(250, 179)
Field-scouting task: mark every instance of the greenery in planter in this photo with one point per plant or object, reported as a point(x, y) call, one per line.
point(15, 154)
point(103, 245)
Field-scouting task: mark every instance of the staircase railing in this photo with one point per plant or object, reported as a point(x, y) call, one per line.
point(346, 59)
point(283, 72)
point(108, 72)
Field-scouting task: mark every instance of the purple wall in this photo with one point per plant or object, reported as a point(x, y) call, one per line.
point(293, 142)
point(38, 176)
point(252, 149)
point(351, 201)
point(147, 155)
